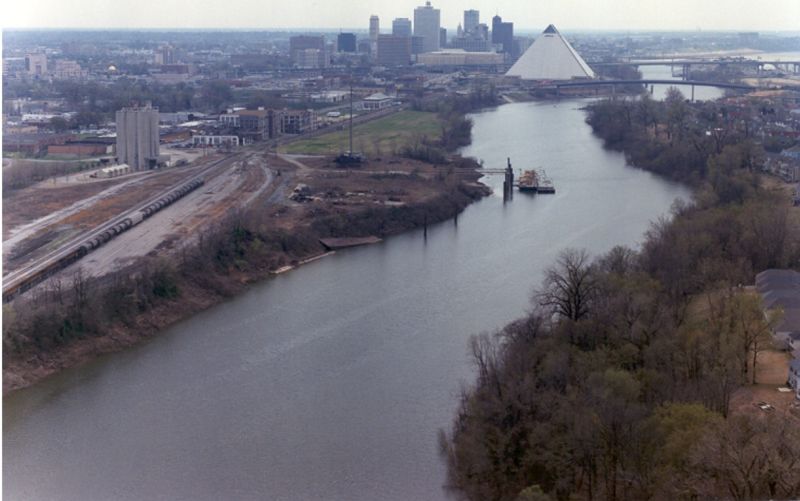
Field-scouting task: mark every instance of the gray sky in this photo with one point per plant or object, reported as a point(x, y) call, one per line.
point(708, 15)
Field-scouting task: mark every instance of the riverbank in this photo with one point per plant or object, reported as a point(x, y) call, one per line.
point(310, 377)
point(60, 329)
point(616, 357)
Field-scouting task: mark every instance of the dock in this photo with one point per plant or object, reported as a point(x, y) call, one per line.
point(343, 243)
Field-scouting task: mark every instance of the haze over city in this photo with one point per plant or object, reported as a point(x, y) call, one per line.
point(272, 14)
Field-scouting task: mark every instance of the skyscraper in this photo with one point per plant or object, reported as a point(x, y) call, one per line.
point(374, 31)
point(374, 28)
point(503, 34)
point(426, 25)
point(472, 19)
point(137, 137)
point(401, 27)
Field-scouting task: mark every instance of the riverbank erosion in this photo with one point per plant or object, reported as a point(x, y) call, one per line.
point(620, 383)
point(66, 322)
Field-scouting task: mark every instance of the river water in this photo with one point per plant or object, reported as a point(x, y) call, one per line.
point(331, 382)
point(665, 73)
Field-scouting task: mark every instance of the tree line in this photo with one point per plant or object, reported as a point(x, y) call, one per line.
point(618, 383)
point(246, 245)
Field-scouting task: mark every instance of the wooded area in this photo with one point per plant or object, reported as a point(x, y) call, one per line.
point(617, 385)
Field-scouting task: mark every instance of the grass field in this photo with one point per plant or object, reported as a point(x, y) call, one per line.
point(381, 136)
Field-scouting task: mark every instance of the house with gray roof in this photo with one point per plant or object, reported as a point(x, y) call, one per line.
point(780, 292)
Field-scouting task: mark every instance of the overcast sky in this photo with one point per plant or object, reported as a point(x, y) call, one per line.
point(707, 15)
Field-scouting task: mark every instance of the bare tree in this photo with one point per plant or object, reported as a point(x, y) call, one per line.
point(569, 286)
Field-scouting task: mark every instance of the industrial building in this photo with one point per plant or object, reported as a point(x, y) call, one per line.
point(137, 137)
point(426, 25)
point(297, 121)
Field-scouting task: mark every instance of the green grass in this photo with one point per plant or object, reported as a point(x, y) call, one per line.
point(384, 135)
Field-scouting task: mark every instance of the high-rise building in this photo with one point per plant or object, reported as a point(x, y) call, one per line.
point(503, 34)
point(394, 50)
point(427, 24)
point(36, 64)
point(311, 59)
point(374, 31)
point(417, 43)
point(298, 45)
point(483, 31)
point(374, 28)
point(165, 55)
point(401, 27)
point(442, 38)
point(137, 137)
point(346, 42)
point(472, 19)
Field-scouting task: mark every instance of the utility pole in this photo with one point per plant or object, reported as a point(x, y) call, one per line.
point(351, 116)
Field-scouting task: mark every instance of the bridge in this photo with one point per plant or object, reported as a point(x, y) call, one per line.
point(791, 66)
point(655, 81)
point(650, 81)
point(697, 62)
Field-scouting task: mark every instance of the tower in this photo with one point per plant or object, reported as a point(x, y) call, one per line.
point(427, 24)
point(472, 18)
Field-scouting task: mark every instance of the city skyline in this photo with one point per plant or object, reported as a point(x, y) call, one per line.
point(612, 15)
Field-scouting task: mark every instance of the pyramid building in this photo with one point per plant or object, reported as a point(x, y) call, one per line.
point(550, 57)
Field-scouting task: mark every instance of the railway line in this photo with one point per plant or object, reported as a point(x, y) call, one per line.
point(19, 281)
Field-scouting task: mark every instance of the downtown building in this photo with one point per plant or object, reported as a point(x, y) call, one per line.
point(472, 18)
point(503, 35)
point(401, 27)
point(394, 50)
point(427, 22)
point(346, 42)
point(374, 31)
point(309, 51)
point(137, 137)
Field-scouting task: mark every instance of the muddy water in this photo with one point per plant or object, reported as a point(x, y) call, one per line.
point(330, 382)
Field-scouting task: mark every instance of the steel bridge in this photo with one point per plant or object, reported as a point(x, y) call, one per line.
point(653, 81)
point(790, 66)
point(647, 81)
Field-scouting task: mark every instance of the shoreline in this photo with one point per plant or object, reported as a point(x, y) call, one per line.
point(28, 369)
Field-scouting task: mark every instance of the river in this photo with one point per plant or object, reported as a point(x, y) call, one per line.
point(331, 382)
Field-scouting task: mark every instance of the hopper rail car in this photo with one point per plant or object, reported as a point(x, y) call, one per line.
point(26, 281)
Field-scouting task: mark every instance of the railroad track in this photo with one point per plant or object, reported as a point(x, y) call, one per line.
point(19, 281)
